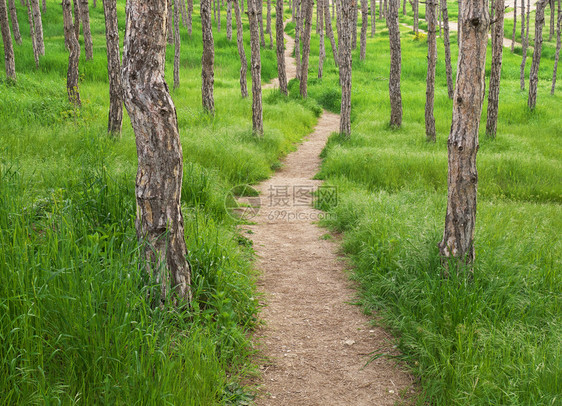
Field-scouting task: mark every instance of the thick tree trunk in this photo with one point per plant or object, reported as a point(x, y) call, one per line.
point(299, 14)
point(395, 64)
point(534, 74)
point(177, 45)
point(208, 58)
point(364, 24)
point(431, 8)
point(347, 9)
point(308, 7)
point(76, 20)
point(514, 26)
point(153, 116)
point(229, 20)
point(373, 17)
point(113, 68)
point(280, 39)
point(38, 25)
point(557, 55)
point(447, 45)
point(189, 17)
point(255, 63)
point(241, 51)
point(74, 54)
point(9, 60)
point(457, 246)
point(329, 31)
point(495, 74)
point(268, 26)
point(322, 54)
point(524, 43)
point(85, 16)
point(32, 33)
point(14, 19)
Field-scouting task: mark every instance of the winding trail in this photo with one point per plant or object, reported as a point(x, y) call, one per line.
point(314, 343)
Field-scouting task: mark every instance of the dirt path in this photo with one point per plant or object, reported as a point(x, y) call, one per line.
point(314, 343)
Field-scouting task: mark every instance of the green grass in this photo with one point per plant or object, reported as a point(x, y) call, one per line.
point(74, 324)
point(497, 340)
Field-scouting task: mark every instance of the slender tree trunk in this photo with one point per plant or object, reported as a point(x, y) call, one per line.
point(241, 51)
point(322, 55)
point(170, 23)
point(524, 43)
point(218, 16)
point(259, 6)
point(552, 14)
point(15, 23)
point(431, 8)
point(495, 74)
point(280, 40)
point(229, 20)
point(299, 13)
point(9, 60)
point(76, 20)
point(242, 6)
point(395, 64)
point(459, 18)
point(154, 120)
point(534, 74)
point(514, 26)
point(447, 44)
point(268, 26)
point(373, 17)
point(329, 31)
point(95, 4)
point(44, 6)
point(415, 7)
point(177, 45)
point(85, 16)
point(345, 65)
point(183, 10)
point(385, 9)
point(457, 246)
point(255, 63)
point(364, 24)
point(214, 10)
point(32, 33)
point(354, 25)
point(74, 54)
point(308, 7)
point(404, 8)
point(113, 68)
point(38, 24)
point(208, 58)
point(557, 55)
point(189, 17)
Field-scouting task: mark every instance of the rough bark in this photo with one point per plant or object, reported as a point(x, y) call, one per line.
point(354, 26)
point(229, 20)
point(255, 63)
point(447, 46)
point(457, 247)
point(177, 45)
point(534, 74)
point(415, 8)
point(395, 64)
point(329, 31)
point(32, 33)
point(268, 26)
point(85, 17)
point(208, 58)
point(76, 20)
point(322, 55)
point(557, 55)
point(9, 60)
point(113, 68)
point(153, 116)
point(259, 7)
point(524, 43)
point(241, 51)
point(364, 24)
point(183, 10)
point(298, 26)
point(373, 17)
point(495, 74)
point(552, 14)
point(170, 23)
point(189, 17)
point(308, 7)
point(431, 8)
point(74, 55)
point(14, 19)
point(347, 10)
point(279, 37)
point(514, 26)
point(38, 27)
point(218, 16)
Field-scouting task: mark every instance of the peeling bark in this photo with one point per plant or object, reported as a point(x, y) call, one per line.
point(364, 24)
point(255, 63)
point(329, 31)
point(153, 116)
point(177, 45)
point(347, 10)
point(431, 8)
point(495, 74)
point(280, 39)
point(534, 74)
point(85, 17)
point(14, 19)
point(395, 64)
point(74, 55)
point(113, 68)
point(447, 45)
point(208, 58)
point(9, 60)
point(557, 56)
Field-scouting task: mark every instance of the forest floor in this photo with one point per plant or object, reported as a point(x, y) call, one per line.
point(315, 344)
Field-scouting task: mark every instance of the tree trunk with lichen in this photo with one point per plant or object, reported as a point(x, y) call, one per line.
point(85, 17)
point(347, 11)
point(280, 39)
point(496, 70)
point(534, 73)
point(431, 8)
point(457, 247)
point(159, 222)
point(395, 64)
point(208, 58)
point(9, 59)
point(14, 19)
point(74, 54)
point(113, 68)
point(255, 64)
point(241, 51)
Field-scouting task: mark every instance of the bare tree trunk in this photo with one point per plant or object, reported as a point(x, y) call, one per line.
point(259, 6)
point(242, 6)
point(183, 10)
point(552, 14)
point(76, 20)
point(514, 26)
point(495, 74)
point(218, 16)
point(385, 9)
point(308, 7)
point(431, 8)
point(32, 33)
point(404, 8)
point(354, 25)
point(415, 8)
point(241, 51)
point(189, 17)
point(447, 44)
point(299, 14)
point(44, 6)
point(9, 60)
point(208, 59)
point(15, 23)
point(153, 116)
point(364, 24)
point(74, 54)
point(95, 4)
point(229, 20)
point(170, 23)
point(322, 55)
point(557, 55)
point(255, 63)
point(395, 64)
point(457, 247)
point(177, 45)
point(268, 26)
point(373, 17)
point(534, 74)
point(345, 65)
point(329, 31)
point(459, 18)
point(113, 68)
point(279, 28)
point(85, 17)
point(524, 43)
point(38, 24)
